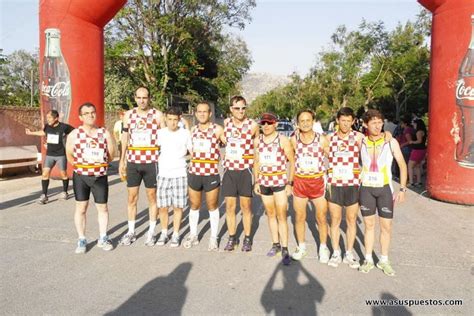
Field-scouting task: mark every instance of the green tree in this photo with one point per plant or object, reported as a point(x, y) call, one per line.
point(171, 46)
point(16, 73)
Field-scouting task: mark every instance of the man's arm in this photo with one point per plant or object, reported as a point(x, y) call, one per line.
point(256, 167)
point(71, 139)
point(290, 155)
point(221, 135)
point(110, 146)
point(323, 141)
point(37, 133)
point(397, 154)
point(125, 137)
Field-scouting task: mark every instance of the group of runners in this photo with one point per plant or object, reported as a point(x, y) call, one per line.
point(343, 170)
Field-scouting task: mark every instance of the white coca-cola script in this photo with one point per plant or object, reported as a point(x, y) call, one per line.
point(464, 92)
point(59, 89)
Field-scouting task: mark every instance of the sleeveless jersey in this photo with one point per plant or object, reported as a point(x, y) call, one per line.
point(239, 148)
point(309, 161)
point(90, 153)
point(344, 160)
point(272, 163)
point(206, 153)
point(143, 131)
point(376, 157)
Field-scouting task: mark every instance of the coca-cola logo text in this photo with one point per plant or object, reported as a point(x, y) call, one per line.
point(463, 92)
point(59, 89)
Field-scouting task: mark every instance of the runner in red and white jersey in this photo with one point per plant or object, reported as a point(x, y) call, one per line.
point(89, 149)
point(272, 154)
point(239, 132)
point(343, 184)
point(309, 183)
point(139, 160)
point(204, 174)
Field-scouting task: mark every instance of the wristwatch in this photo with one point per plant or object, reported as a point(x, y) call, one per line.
point(403, 189)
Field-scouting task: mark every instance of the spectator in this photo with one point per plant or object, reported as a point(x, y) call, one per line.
point(418, 153)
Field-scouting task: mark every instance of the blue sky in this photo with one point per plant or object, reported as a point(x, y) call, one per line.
point(284, 35)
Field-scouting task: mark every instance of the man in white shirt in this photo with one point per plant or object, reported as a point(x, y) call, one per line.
point(172, 187)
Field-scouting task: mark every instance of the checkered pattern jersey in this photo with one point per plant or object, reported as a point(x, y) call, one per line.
point(273, 175)
point(312, 149)
point(84, 142)
point(344, 152)
point(233, 135)
point(136, 123)
point(205, 163)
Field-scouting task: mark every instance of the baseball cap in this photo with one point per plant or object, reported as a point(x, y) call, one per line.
point(268, 117)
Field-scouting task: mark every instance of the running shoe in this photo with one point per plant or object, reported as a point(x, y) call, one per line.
point(105, 243)
point(174, 243)
point(324, 254)
point(351, 261)
point(285, 257)
point(64, 196)
point(213, 246)
point(150, 240)
point(81, 246)
point(247, 244)
point(128, 239)
point(190, 241)
point(299, 254)
point(275, 250)
point(366, 267)
point(162, 240)
point(386, 268)
point(43, 199)
point(232, 243)
point(335, 261)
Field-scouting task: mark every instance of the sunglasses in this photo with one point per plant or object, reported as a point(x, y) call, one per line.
point(267, 123)
point(239, 109)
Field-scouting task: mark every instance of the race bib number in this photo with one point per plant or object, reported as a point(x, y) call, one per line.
point(234, 152)
point(201, 145)
point(372, 179)
point(268, 158)
point(343, 173)
point(308, 164)
point(94, 155)
point(52, 139)
point(141, 138)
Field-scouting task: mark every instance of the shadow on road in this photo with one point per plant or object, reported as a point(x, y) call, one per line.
point(161, 296)
point(299, 293)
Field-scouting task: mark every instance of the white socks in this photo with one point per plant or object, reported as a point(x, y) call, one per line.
point(193, 221)
point(131, 227)
point(384, 259)
point(337, 253)
point(214, 219)
point(368, 258)
point(151, 229)
point(302, 245)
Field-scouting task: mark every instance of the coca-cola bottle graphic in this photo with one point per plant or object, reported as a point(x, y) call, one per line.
point(55, 80)
point(465, 103)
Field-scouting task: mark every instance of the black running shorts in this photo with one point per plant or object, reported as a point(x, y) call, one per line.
point(136, 172)
point(271, 190)
point(206, 183)
point(237, 183)
point(342, 196)
point(84, 185)
point(376, 199)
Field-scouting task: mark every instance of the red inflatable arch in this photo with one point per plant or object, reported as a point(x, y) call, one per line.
point(451, 125)
point(72, 55)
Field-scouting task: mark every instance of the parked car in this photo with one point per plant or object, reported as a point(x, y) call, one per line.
point(285, 127)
